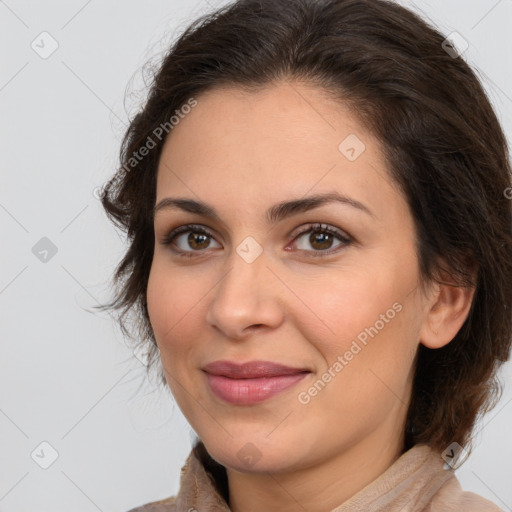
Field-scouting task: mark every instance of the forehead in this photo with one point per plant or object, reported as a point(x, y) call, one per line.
point(282, 141)
point(281, 115)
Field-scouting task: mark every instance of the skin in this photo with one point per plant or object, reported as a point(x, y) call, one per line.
point(242, 153)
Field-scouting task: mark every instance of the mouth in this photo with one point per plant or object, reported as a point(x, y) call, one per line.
point(252, 382)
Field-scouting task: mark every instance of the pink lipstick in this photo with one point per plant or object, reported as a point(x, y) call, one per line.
point(252, 382)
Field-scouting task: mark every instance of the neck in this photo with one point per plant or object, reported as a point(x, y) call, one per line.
point(318, 487)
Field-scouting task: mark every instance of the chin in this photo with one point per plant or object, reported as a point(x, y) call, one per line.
point(252, 454)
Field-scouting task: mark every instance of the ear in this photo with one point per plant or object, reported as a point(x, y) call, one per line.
point(446, 311)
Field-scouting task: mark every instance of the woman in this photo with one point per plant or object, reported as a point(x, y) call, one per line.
point(315, 197)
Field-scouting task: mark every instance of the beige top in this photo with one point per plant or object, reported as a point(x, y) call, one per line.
point(416, 482)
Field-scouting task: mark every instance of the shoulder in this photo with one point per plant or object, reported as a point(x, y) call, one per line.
point(451, 497)
point(166, 505)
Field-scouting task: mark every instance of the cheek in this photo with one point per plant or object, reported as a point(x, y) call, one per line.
point(174, 303)
point(369, 321)
point(172, 298)
point(365, 370)
point(337, 306)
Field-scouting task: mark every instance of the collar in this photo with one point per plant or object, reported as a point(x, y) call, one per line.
point(409, 484)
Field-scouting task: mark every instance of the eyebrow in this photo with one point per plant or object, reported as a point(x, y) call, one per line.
point(274, 214)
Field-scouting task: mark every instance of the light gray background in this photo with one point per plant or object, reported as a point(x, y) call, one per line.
point(67, 377)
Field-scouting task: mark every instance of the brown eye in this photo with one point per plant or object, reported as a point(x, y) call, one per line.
point(321, 239)
point(198, 239)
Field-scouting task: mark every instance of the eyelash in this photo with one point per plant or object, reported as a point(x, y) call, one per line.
point(313, 228)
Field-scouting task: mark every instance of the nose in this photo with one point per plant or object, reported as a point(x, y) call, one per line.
point(247, 298)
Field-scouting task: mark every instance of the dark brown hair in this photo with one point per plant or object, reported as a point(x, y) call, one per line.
point(444, 146)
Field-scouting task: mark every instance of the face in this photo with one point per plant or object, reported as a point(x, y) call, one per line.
point(330, 287)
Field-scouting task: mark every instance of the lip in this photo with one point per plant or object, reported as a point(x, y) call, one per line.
point(251, 382)
point(250, 370)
